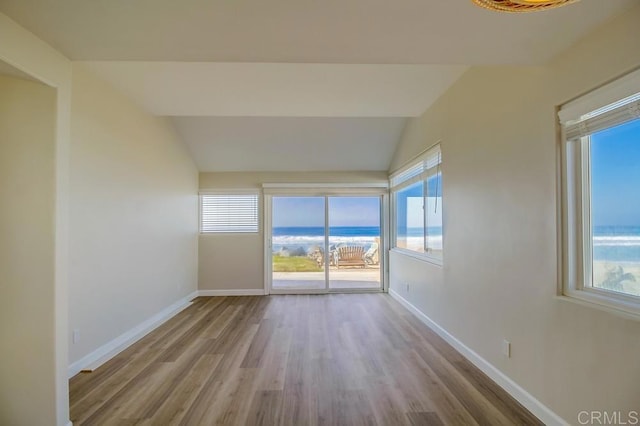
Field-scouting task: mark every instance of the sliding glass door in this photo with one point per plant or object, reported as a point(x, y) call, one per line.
point(297, 243)
point(354, 243)
point(318, 244)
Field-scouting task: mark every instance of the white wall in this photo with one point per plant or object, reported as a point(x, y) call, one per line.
point(499, 280)
point(236, 262)
point(133, 210)
point(27, 242)
point(32, 56)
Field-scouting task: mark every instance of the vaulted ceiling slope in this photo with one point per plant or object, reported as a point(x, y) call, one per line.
point(279, 90)
point(296, 85)
point(290, 144)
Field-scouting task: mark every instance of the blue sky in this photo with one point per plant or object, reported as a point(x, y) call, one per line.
point(309, 211)
point(412, 212)
point(615, 176)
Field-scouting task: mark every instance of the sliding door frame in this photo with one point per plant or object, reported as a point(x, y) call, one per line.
point(325, 191)
point(268, 251)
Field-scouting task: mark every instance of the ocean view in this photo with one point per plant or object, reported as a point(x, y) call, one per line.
point(610, 243)
point(616, 243)
point(306, 237)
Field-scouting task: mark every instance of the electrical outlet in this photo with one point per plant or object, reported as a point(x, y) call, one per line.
point(506, 348)
point(76, 336)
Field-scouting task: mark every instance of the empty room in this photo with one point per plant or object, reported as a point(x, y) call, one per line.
point(366, 212)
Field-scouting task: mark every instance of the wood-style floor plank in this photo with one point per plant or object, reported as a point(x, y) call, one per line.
point(344, 359)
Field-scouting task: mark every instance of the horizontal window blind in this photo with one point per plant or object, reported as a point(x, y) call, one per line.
point(609, 116)
point(229, 213)
point(420, 169)
point(611, 105)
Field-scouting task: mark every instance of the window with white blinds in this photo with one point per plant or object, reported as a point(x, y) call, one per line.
point(424, 166)
point(608, 116)
point(416, 197)
point(229, 213)
point(601, 186)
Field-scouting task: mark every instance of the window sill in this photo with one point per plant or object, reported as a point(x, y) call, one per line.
point(418, 256)
point(601, 303)
point(227, 234)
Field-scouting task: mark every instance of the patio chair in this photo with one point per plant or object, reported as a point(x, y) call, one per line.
point(350, 256)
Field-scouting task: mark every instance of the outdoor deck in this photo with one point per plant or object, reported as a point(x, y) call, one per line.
point(343, 278)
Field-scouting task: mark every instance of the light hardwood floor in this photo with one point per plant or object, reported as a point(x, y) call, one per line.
point(342, 359)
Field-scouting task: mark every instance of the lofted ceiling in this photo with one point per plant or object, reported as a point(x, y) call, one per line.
point(290, 144)
point(279, 90)
point(296, 84)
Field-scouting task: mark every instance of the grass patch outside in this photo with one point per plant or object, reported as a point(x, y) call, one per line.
point(294, 264)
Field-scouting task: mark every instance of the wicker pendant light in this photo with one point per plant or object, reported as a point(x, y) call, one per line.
point(521, 5)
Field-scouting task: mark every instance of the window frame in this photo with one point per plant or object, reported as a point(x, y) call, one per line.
point(230, 192)
point(427, 172)
point(575, 207)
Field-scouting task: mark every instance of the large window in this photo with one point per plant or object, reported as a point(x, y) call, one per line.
point(601, 147)
point(229, 213)
point(417, 206)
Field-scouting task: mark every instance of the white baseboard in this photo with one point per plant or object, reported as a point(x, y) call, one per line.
point(245, 292)
point(541, 411)
point(110, 349)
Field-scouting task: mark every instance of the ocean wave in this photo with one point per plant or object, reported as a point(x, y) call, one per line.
point(319, 240)
point(617, 240)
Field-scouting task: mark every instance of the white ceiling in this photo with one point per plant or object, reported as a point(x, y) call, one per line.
point(296, 84)
point(280, 90)
point(325, 31)
point(290, 143)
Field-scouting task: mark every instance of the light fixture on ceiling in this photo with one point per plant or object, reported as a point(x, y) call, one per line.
point(521, 5)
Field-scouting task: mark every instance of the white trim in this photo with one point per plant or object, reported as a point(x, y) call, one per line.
point(233, 292)
point(542, 412)
point(229, 191)
point(297, 291)
point(383, 249)
point(327, 185)
point(268, 243)
point(325, 191)
point(321, 291)
point(424, 257)
point(110, 349)
point(70, 423)
point(326, 256)
point(578, 297)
